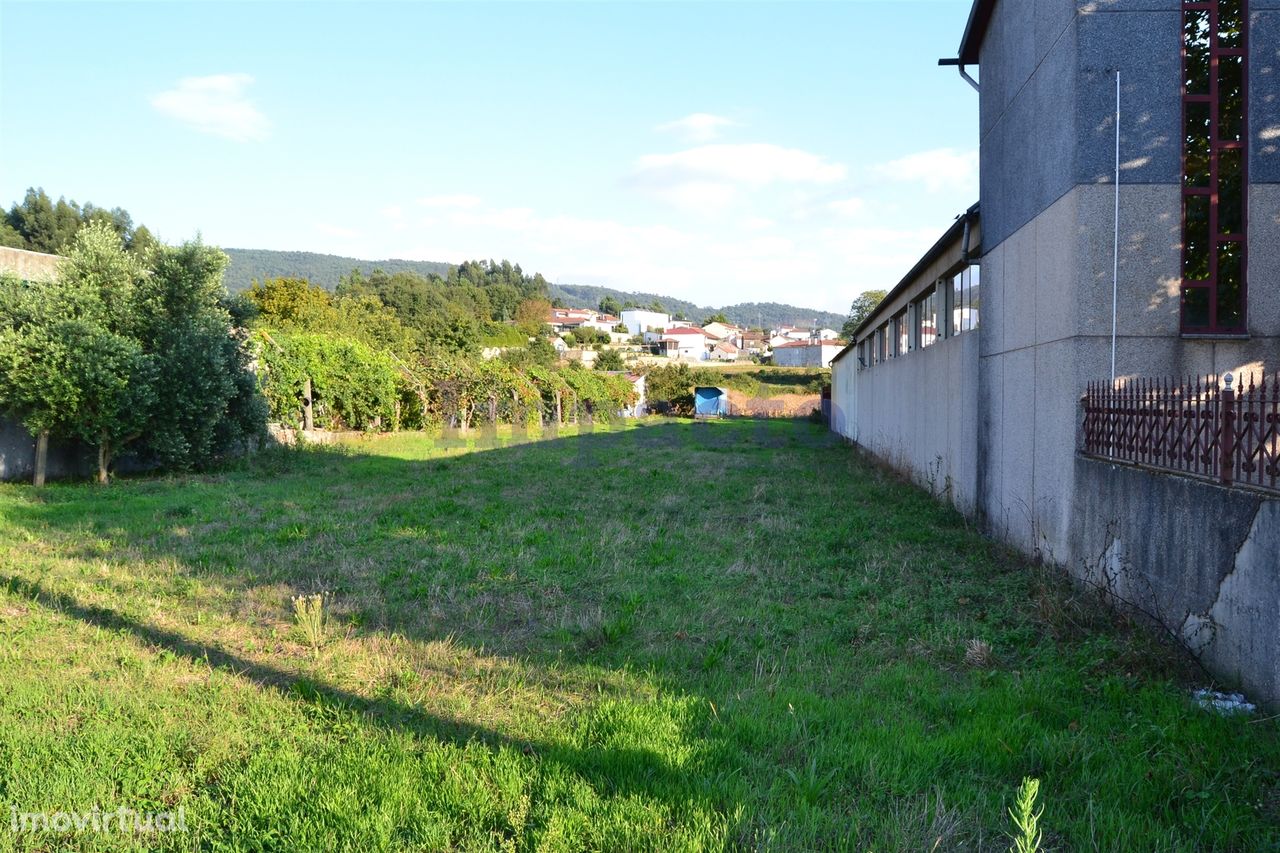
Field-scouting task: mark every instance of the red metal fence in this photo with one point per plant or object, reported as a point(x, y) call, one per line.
point(1201, 426)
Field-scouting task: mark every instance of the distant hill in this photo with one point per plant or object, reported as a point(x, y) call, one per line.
point(752, 314)
point(326, 270)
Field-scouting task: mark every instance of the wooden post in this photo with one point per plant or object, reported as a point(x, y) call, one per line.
point(42, 458)
point(559, 410)
point(493, 409)
point(1227, 438)
point(308, 422)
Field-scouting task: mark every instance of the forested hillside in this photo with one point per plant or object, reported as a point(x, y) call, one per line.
point(248, 265)
point(750, 314)
point(40, 224)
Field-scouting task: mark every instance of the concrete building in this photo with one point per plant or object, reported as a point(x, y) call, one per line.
point(969, 376)
point(639, 320)
point(810, 353)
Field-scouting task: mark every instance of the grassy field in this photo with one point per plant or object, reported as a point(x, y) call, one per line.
point(762, 381)
point(672, 636)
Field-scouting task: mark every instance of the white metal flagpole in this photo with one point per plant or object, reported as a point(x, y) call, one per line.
point(1115, 242)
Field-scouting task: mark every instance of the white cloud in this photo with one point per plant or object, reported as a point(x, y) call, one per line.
point(458, 200)
point(847, 206)
point(753, 164)
point(215, 104)
point(337, 231)
point(710, 178)
point(939, 169)
point(697, 127)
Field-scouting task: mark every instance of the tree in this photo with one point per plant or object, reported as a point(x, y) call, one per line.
point(531, 315)
point(113, 353)
point(611, 306)
point(208, 403)
point(716, 318)
point(71, 363)
point(861, 308)
point(609, 359)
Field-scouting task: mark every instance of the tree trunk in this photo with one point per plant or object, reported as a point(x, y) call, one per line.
point(42, 458)
point(308, 422)
point(559, 410)
point(104, 459)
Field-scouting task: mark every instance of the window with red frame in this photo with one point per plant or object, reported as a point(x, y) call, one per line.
point(1214, 175)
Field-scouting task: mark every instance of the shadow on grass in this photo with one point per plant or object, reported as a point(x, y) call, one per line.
point(501, 486)
point(613, 770)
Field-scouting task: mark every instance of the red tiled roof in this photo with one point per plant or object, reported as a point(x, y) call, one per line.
point(684, 330)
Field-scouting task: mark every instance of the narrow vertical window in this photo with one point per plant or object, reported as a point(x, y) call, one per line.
point(1214, 174)
point(927, 319)
point(904, 333)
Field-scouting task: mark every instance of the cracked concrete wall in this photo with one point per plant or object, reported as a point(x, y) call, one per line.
point(1204, 559)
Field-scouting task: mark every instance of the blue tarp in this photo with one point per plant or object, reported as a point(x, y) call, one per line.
point(709, 402)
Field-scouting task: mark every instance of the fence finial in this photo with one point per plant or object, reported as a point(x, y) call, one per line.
point(1228, 379)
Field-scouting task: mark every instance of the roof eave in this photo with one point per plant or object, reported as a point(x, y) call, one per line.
point(975, 31)
point(948, 237)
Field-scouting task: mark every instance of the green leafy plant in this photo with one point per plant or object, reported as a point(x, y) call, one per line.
point(1026, 818)
point(308, 616)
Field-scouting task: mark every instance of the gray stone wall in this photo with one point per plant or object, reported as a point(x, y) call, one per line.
point(18, 456)
point(917, 412)
point(32, 266)
point(1214, 578)
point(1048, 196)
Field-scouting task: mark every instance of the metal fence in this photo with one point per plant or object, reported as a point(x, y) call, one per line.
point(1201, 426)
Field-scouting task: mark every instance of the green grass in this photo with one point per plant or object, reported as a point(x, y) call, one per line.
point(763, 382)
point(714, 635)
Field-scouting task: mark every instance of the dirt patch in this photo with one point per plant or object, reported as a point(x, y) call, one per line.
point(781, 406)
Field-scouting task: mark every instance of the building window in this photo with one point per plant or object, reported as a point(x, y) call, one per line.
point(927, 319)
point(964, 296)
point(1214, 180)
point(902, 334)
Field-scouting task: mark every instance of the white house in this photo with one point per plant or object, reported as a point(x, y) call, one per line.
point(684, 342)
point(810, 353)
point(639, 320)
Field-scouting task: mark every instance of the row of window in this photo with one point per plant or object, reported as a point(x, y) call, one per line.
point(1214, 158)
point(948, 309)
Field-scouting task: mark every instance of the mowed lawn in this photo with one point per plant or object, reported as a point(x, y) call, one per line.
point(669, 636)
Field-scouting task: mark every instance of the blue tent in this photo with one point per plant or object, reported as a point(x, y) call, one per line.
point(710, 402)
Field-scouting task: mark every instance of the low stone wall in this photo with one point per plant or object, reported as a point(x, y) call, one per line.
point(1203, 559)
point(289, 437)
point(31, 266)
point(18, 456)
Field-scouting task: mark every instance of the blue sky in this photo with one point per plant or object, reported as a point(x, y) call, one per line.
point(718, 152)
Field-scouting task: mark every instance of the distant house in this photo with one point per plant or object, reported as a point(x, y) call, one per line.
point(563, 320)
point(725, 351)
point(810, 353)
point(639, 320)
point(721, 331)
point(752, 343)
point(683, 342)
point(709, 402)
point(640, 407)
